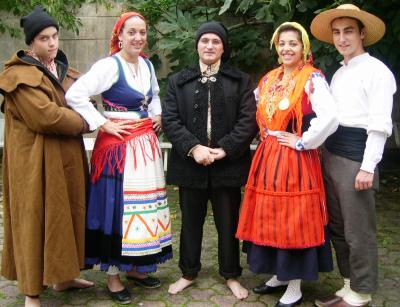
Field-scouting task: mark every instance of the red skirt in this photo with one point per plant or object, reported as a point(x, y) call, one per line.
point(284, 202)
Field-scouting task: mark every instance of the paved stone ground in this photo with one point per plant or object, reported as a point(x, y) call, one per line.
point(210, 289)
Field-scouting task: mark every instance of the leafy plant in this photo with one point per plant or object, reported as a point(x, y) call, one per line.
point(63, 11)
point(173, 24)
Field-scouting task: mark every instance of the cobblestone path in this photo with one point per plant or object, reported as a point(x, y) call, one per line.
point(210, 289)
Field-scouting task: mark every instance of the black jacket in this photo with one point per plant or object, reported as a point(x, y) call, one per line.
point(233, 123)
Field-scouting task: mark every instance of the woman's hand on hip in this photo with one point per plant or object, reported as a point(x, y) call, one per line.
point(117, 128)
point(156, 123)
point(288, 139)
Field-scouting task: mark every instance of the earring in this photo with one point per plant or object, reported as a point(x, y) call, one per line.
point(120, 44)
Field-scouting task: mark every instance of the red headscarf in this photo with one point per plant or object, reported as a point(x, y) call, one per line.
point(114, 43)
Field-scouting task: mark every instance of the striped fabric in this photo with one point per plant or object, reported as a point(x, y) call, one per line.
point(284, 202)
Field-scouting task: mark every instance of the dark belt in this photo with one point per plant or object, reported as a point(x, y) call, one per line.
point(348, 142)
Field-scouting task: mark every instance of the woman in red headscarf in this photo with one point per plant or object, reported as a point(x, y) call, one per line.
point(128, 221)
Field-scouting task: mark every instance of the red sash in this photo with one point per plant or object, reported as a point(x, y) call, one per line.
point(111, 151)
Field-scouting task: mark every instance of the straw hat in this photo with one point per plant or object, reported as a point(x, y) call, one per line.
point(321, 24)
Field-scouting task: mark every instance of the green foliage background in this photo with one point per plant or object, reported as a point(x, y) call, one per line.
point(251, 23)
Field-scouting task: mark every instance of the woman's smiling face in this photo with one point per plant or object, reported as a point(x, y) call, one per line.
point(290, 48)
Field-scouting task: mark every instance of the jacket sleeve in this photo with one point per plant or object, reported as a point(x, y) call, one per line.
point(239, 139)
point(177, 133)
point(40, 114)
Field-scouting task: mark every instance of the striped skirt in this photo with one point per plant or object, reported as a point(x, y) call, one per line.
point(284, 202)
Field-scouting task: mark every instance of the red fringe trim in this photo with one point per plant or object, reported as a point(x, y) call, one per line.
point(113, 156)
point(111, 152)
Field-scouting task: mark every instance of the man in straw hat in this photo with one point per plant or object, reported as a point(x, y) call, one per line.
point(363, 89)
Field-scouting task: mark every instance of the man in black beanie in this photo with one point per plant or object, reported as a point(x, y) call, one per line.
point(44, 166)
point(209, 117)
point(36, 21)
point(220, 30)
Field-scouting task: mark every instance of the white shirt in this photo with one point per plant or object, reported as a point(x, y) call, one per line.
point(101, 76)
point(322, 103)
point(363, 90)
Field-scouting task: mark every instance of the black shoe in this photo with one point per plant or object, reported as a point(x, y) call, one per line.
point(264, 289)
point(298, 302)
point(148, 282)
point(122, 297)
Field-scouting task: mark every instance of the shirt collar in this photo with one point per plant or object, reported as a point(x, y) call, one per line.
point(208, 70)
point(356, 59)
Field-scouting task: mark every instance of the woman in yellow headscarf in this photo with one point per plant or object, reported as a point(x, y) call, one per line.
point(283, 218)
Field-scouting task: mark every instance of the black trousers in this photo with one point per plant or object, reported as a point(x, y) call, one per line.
point(225, 205)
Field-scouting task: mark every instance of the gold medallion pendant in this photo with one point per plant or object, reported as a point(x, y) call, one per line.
point(284, 104)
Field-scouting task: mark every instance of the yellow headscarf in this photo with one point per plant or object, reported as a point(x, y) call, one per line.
point(304, 38)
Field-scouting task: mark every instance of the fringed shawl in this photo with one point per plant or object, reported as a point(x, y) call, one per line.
point(281, 117)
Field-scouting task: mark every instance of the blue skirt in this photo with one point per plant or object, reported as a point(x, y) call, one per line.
point(289, 264)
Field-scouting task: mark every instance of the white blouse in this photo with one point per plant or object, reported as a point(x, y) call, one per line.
point(101, 76)
point(325, 123)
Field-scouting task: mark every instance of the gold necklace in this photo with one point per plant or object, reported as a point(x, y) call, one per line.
point(278, 93)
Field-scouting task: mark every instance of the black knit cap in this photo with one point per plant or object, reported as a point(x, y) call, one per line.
point(218, 29)
point(35, 22)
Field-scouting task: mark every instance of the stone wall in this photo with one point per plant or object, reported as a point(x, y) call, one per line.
point(82, 50)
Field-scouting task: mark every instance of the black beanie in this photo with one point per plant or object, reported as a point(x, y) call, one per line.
point(218, 29)
point(35, 22)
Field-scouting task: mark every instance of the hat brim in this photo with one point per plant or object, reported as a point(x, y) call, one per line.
point(321, 25)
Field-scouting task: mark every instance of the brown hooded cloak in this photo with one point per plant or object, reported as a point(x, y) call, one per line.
point(44, 175)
